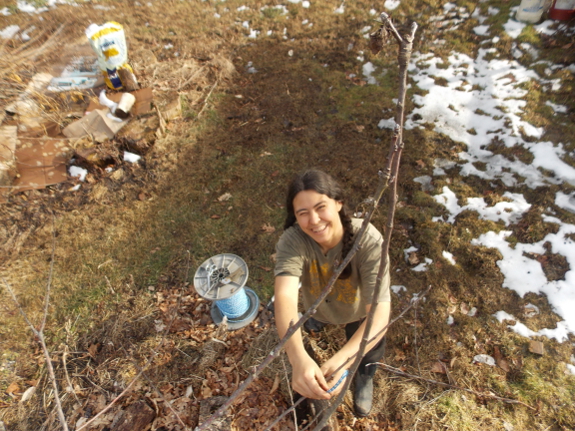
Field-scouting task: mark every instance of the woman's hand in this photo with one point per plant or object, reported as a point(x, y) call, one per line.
point(308, 379)
point(329, 367)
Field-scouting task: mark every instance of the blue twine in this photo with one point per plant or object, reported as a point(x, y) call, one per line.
point(234, 306)
point(334, 387)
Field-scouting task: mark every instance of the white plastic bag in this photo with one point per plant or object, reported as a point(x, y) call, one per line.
point(109, 43)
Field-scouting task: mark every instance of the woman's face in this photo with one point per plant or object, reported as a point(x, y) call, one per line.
point(318, 217)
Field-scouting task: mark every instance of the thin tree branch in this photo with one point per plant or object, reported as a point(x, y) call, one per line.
point(49, 283)
point(406, 45)
point(70, 387)
point(447, 385)
point(207, 99)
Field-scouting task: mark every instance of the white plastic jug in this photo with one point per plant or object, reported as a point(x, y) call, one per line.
point(530, 10)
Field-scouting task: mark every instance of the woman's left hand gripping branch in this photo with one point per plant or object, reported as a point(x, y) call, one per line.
point(329, 367)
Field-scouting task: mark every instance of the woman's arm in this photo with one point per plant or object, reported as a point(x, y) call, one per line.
point(307, 379)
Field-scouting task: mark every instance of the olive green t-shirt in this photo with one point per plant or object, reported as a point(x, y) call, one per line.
point(300, 256)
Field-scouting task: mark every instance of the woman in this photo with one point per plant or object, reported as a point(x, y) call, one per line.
point(318, 235)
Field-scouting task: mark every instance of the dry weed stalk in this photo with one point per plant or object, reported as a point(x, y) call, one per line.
point(388, 176)
point(39, 333)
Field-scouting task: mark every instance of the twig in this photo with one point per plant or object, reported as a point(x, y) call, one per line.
point(290, 395)
point(207, 98)
point(415, 338)
point(448, 385)
point(70, 386)
point(196, 73)
point(49, 283)
point(40, 333)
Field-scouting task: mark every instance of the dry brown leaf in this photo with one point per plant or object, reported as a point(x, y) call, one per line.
point(412, 258)
point(225, 197)
point(93, 349)
point(13, 387)
point(399, 355)
point(500, 360)
point(215, 216)
point(276, 384)
point(536, 347)
point(265, 268)
point(438, 367)
point(453, 299)
point(420, 164)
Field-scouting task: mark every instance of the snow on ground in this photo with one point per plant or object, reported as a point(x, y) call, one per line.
point(482, 101)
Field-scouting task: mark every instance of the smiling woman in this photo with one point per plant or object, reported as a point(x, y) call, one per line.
point(318, 235)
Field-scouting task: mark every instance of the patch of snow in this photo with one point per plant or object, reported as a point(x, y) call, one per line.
point(397, 289)
point(391, 4)
point(484, 359)
point(558, 109)
point(131, 157)
point(508, 212)
point(425, 181)
point(524, 274)
point(481, 30)
point(567, 202)
point(368, 69)
point(9, 32)
point(449, 257)
point(424, 266)
point(386, 124)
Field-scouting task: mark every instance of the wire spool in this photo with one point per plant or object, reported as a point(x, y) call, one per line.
point(222, 279)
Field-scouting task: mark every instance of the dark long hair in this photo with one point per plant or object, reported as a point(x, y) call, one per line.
point(323, 184)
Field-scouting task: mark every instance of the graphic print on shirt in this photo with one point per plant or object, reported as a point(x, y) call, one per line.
point(343, 290)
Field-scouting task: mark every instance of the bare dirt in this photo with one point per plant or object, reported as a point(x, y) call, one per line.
point(127, 243)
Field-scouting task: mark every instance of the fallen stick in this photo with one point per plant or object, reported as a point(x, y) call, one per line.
point(447, 385)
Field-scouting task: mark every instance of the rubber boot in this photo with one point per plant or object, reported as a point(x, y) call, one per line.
point(363, 394)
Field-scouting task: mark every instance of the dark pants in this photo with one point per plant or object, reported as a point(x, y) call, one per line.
point(374, 355)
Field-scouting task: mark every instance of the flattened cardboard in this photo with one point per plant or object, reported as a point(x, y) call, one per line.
point(97, 124)
point(40, 163)
point(143, 103)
